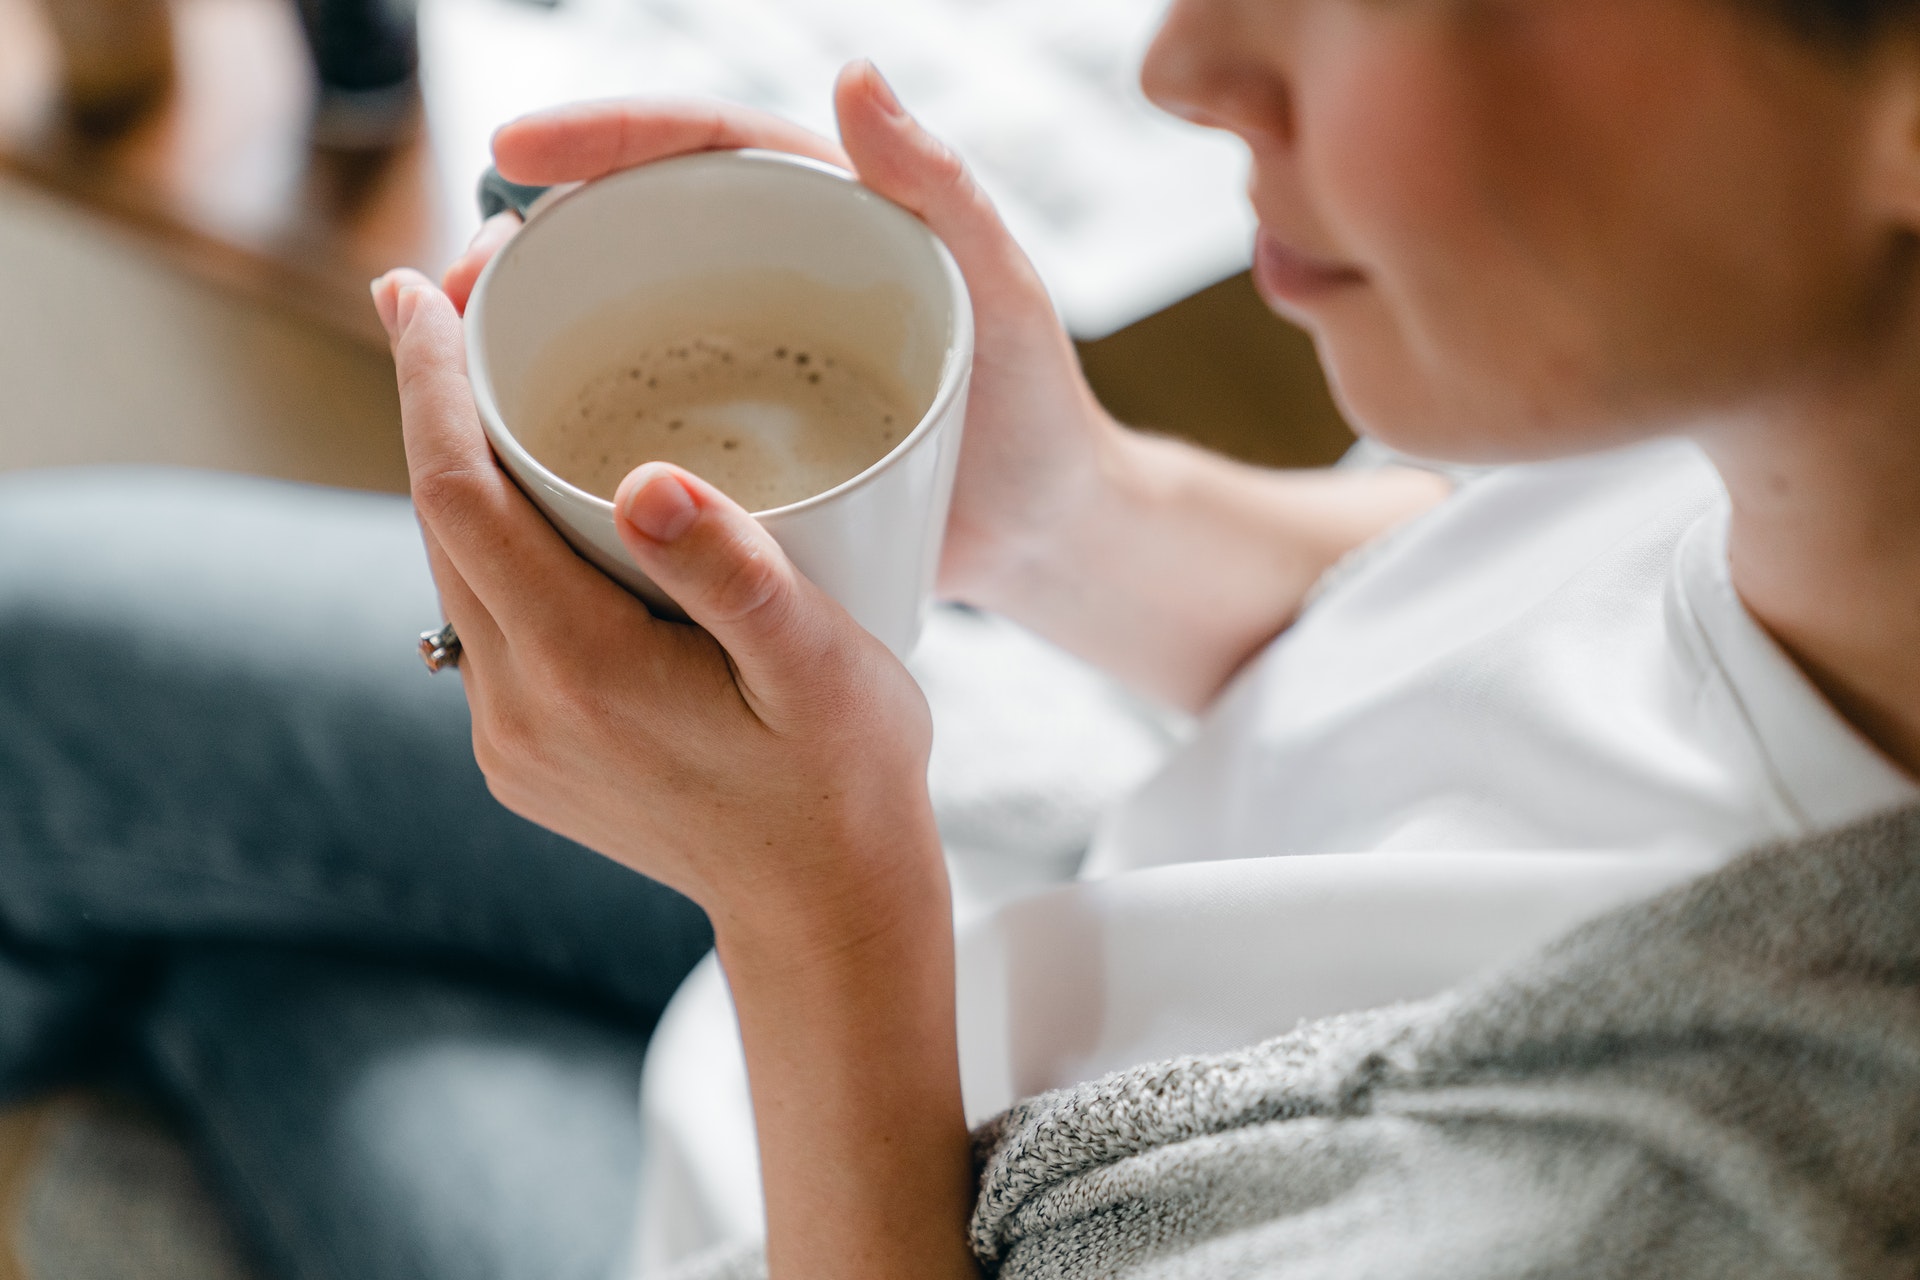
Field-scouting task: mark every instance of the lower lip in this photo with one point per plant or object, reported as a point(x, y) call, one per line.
point(1285, 276)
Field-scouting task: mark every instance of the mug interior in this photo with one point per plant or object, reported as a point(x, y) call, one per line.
point(683, 242)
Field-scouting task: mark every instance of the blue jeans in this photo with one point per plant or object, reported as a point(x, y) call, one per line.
point(242, 836)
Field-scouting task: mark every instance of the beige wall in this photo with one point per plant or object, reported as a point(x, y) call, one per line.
point(109, 355)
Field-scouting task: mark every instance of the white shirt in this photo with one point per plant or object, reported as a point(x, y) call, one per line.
point(1539, 700)
point(1555, 659)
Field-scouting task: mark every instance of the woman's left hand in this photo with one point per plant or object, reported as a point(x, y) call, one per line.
point(769, 763)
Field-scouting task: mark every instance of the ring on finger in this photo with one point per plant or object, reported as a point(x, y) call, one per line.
point(440, 649)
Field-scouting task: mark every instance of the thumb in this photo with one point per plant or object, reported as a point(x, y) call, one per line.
point(903, 162)
point(717, 563)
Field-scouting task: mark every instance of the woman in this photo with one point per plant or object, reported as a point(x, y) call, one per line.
point(1519, 230)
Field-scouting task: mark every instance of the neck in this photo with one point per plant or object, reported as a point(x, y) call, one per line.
point(1825, 548)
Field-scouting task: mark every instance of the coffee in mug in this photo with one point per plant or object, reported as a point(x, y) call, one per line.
point(731, 379)
point(698, 272)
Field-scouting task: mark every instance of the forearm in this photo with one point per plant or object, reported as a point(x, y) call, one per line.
point(1174, 566)
point(850, 1046)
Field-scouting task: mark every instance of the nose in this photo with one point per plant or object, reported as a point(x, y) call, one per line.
point(1206, 66)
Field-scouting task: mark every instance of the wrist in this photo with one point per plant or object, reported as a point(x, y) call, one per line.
point(846, 965)
point(859, 899)
point(847, 1023)
point(1052, 555)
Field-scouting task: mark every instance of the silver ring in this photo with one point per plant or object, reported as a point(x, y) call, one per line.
point(440, 649)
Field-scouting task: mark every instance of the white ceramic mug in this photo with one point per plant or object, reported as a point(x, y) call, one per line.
point(873, 542)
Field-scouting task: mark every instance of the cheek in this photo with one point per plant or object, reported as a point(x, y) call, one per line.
point(1592, 228)
point(1457, 347)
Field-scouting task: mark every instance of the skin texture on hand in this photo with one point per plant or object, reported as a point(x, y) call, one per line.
point(1167, 567)
point(1033, 424)
point(646, 739)
point(1517, 228)
point(769, 762)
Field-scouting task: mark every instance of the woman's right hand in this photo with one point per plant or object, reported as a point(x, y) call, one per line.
point(1036, 436)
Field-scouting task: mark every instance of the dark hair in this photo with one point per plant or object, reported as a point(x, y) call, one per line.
point(1851, 23)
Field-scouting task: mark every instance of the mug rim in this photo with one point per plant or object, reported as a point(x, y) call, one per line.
point(953, 374)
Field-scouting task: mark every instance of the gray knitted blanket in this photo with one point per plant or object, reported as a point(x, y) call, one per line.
point(1721, 1082)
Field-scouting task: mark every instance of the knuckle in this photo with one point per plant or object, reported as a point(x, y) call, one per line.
point(423, 357)
point(504, 743)
point(560, 670)
point(755, 583)
point(573, 692)
point(445, 492)
point(415, 378)
point(947, 174)
point(953, 190)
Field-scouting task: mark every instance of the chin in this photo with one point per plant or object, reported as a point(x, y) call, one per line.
point(1386, 402)
point(1482, 421)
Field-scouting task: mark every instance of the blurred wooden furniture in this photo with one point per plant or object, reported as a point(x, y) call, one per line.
point(221, 178)
point(1221, 369)
point(19, 1132)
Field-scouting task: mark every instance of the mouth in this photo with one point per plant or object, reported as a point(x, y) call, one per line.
point(1289, 277)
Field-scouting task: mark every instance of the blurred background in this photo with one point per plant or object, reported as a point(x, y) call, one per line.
point(194, 194)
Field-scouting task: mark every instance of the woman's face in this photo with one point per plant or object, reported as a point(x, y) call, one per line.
point(1522, 228)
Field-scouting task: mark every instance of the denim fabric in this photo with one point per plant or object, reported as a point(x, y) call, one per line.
point(240, 821)
point(368, 1119)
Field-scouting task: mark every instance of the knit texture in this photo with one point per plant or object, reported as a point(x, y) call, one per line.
point(1720, 1082)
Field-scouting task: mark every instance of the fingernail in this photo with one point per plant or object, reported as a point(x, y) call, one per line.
point(884, 95)
point(383, 302)
point(654, 501)
point(405, 306)
point(487, 228)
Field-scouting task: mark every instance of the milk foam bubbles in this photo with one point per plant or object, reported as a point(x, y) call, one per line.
point(768, 420)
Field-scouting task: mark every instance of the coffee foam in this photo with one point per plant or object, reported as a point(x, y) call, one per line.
point(768, 425)
point(765, 385)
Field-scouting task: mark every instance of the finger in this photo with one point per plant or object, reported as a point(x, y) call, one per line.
point(731, 577)
point(499, 544)
point(479, 634)
point(903, 162)
point(493, 235)
point(589, 139)
point(482, 660)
